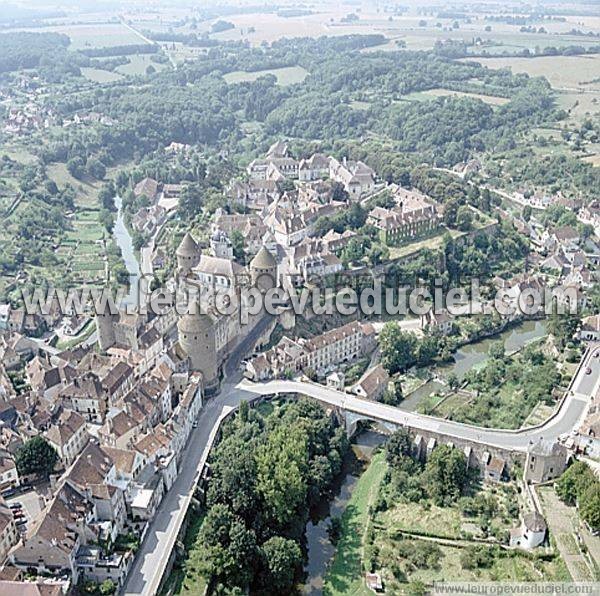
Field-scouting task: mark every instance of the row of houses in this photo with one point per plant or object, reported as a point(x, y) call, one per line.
point(318, 353)
point(357, 178)
point(112, 486)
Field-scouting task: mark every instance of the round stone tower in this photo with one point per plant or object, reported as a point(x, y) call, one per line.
point(188, 254)
point(263, 270)
point(105, 328)
point(197, 338)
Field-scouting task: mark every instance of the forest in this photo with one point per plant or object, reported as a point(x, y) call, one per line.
point(268, 470)
point(195, 105)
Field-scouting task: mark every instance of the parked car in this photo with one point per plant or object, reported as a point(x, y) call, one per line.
point(195, 424)
point(20, 522)
point(16, 505)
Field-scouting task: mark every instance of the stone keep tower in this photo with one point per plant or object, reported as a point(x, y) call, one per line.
point(105, 327)
point(188, 254)
point(263, 270)
point(197, 338)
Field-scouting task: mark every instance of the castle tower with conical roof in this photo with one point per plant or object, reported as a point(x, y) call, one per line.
point(263, 270)
point(197, 339)
point(188, 254)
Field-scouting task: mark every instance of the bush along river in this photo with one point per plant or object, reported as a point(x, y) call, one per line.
point(320, 548)
point(472, 356)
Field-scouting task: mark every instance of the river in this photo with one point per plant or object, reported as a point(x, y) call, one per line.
point(319, 546)
point(472, 356)
point(125, 243)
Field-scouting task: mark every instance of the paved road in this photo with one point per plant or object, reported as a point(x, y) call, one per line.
point(153, 555)
point(566, 419)
point(151, 559)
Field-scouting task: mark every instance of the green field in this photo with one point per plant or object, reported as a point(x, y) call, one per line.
point(490, 99)
point(99, 35)
point(285, 76)
point(563, 72)
point(379, 536)
point(98, 75)
point(138, 64)
point(345, 574)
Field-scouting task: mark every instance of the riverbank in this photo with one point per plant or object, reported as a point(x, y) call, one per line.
point(414, 544)
point(345, 575)
point(470, 356)
point(124, 241)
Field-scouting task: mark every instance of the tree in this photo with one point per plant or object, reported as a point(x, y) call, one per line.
point(445, 474)
point(393, 394)
point(464, 218)
point(244, 410)
point(107, 587)
point(95, 168)
point(75, 167)
point(354, 251)
point(427, 349)
point(453, 381)
point(282, 466)
point(527, 212)
point(574, 482)
point(496, 351)
point(397, 447)
point(229, 548)
point(238, 243)
point(589, 506)
point(477, 557)
point(36, 456)
point(378, 254)
point(397, 348)
point(282, 559)
point(190, 201)
point(451, 213)
point(339, 193)
point(562, 327)
point(417, 588)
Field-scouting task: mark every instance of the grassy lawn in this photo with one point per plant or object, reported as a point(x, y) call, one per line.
point(97, 75)
point(67, 344)
point(285, 76)
point(98, 35)
point(540, 413)
point(447, 406)
point(138, 64)
point(413, 517)
point(507, 567)
point(345, 575)
point(563, 523)
point(563, 72)
point(388, 533)
point(398, 252)
point(360, 105)
point(432, 93)
point(87, 190)
point(593, 159)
